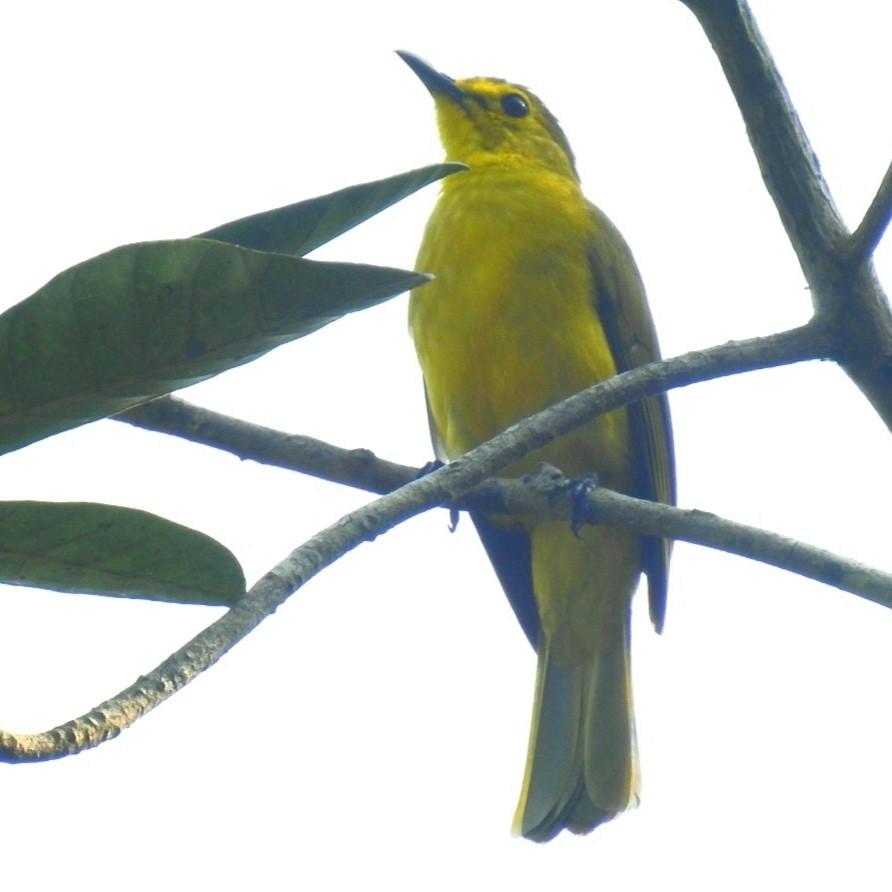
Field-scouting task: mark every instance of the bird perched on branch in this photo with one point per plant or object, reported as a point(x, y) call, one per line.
point(536, 296)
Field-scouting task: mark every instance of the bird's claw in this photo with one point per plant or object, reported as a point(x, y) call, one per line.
point(429, 468)
point(580, 488)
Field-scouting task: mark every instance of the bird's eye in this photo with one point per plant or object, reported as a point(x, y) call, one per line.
point(515, 105)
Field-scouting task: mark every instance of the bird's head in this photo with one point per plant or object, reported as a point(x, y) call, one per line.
point(482, 116)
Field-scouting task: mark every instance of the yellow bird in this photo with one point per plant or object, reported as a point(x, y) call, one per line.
point(536, 296)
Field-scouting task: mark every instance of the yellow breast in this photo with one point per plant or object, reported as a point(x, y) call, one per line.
point(508, 326)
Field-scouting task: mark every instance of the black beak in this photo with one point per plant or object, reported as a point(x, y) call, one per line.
point(437, 83)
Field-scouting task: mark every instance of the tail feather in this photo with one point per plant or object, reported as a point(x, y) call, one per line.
point(582, 764)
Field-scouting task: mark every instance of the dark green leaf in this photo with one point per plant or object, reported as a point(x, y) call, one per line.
point(299, 228)
point(146, 319)
point(106, 550)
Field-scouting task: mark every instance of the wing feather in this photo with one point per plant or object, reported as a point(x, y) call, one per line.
point(621, 304)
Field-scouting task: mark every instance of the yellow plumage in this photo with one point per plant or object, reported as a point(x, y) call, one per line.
point(535, 297)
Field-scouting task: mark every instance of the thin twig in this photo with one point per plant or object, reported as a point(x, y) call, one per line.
point(359, 468)
point(870, 230)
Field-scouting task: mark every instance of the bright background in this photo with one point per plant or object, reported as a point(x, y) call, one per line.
point(374, 731)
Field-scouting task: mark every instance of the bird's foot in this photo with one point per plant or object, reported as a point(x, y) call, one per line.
point(429, 468)
point(580, 488)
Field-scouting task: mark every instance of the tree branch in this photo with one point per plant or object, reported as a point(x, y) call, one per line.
point(444, 486)
point(845, 294)
point(788, 164)
point(360, 468)
point(548, 493)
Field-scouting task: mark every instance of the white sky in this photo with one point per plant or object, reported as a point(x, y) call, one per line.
point(374, 731)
